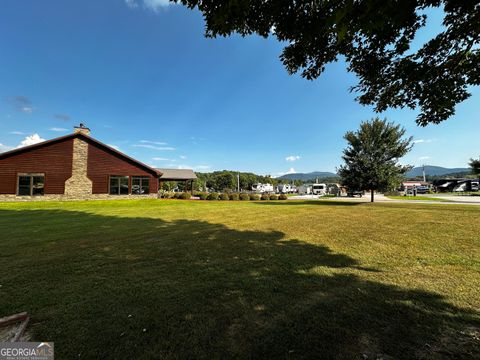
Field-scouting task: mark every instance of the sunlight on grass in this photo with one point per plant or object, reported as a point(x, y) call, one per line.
point(243, 279)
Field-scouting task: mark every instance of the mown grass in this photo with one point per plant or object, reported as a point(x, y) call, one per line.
point(215, 280)
point(419, 198)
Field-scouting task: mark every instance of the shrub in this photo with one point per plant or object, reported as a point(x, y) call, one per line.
point(273, 197)
point(254, 197)
point(212, 196)
point(202, 196)
point(224, 197)
point(168, 195)
point(185, 196)
point(234, 196)
point(244, 197)
point(177, 195)
point(265, 197)
point(283, 197)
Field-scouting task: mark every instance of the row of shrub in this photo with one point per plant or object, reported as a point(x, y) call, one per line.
point(223, 196)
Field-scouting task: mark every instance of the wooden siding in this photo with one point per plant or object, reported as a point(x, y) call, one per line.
point(102, 163)
point(54, 160)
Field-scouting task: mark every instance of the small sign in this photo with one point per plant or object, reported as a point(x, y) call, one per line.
point(26, 350)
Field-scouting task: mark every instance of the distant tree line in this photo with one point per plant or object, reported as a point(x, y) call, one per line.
point(226, 180)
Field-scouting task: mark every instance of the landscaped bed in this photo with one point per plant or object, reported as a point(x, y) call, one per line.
point(253, 279)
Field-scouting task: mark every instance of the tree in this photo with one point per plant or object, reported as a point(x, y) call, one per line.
point(475, 166)
point(374, 37)
point(371, 158)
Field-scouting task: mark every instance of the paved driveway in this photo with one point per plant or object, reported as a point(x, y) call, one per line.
point(452, 199)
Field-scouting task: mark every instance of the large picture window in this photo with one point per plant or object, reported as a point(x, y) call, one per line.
point(31, 184)
point(119, 185)
point(140, 185)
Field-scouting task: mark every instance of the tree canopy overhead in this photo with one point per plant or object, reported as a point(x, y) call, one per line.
point(374, 36)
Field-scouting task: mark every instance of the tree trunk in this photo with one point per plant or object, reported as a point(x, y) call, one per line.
point(372, 195)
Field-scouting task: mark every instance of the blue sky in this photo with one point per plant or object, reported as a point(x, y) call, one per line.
point(141, 75)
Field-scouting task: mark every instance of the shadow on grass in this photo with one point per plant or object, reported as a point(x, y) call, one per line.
point(120, 287)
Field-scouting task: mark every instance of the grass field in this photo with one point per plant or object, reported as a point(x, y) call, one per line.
point(215, 280)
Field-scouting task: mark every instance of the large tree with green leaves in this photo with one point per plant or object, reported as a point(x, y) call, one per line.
point(371, 158)
point(375, 38)
point(475, 166)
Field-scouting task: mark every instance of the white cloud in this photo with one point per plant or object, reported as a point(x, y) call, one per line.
point(30, 140)
point(58, 129)
point(131, 3)
point(22, 103)
point(153, 142)
point(196, 167)
point(17, 133)
point(114, 147)
point(183, 157)
point(424, 158)
point(154, 5)
point(4, 148)
point(153, 147)
point(422, 141)
point(162, 159)
point(289, 171)
point(292, 158)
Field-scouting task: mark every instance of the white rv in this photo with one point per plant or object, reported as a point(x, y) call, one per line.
point(305, 189)
point(262, 188)
point(284, 188)
point(319, 189)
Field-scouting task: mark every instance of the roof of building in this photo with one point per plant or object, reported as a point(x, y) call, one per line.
point(75, 135)
point(177, 174)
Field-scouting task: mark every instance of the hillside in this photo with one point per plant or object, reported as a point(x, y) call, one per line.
point(307, 176)
point(435, 171)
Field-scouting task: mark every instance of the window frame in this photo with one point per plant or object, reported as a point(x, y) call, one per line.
point(31, 176)
point(141, 178)
point(119, 177)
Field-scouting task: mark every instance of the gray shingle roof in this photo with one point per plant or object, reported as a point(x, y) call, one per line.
point(177, 174)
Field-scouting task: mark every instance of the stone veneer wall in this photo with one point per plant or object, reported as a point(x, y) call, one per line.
point(79, 185)
point(51, 197)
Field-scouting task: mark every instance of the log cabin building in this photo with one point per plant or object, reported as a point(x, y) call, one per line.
point(75, 166)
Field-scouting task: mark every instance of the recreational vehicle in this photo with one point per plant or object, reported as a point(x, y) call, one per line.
point(262, 188)
point(319, 189)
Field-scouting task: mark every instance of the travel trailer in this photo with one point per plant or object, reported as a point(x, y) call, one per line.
point(286, 189)
point(305, 189)
point(456, 185)
point(262, 188)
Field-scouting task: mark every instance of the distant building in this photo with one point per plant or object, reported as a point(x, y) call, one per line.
point(75, 166)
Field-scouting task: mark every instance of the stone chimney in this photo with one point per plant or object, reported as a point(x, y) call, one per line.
point(79, 185)
point(82, 129)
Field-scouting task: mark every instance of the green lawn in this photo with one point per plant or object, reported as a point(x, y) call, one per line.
point(215, 280)
point(419, 198)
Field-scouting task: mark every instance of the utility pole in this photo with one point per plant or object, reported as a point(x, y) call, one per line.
point(238, 181)
point(424, 178)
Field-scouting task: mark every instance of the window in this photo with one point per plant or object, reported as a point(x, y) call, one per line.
point(31, 184)
point(140, 185)
point(119, 185)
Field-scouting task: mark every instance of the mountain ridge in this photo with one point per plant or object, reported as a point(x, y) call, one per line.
point(430, 170)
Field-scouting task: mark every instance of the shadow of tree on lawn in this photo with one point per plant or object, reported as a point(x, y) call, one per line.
point(122, 287)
